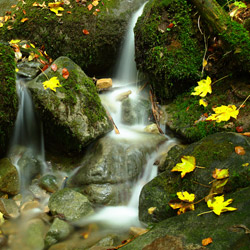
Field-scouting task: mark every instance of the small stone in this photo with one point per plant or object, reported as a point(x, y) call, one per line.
point(123, 95)
point(49, 183)
point(152, 128)
point(136, 231)
point(104, 83)
point(28, 206)
point(9, 208)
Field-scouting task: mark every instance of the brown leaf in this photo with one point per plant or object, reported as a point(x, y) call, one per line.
point(239, 150)
point(65, 73)
point(207, 241)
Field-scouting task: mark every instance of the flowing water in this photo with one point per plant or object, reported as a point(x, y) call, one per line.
point(28, 141)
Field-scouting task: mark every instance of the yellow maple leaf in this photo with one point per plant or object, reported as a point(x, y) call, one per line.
point(204, 87)
point(188, 165)
point(220, 173)
point(218, 205)
point(55, 7)
point(52, 83)
point(151, 210)
point(185, 196)
point(203, 102)
point(95, 3)
point(224, 113)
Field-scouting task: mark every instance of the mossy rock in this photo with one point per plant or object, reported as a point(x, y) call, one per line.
point(228, 231)
point(63, 35)
point(73, 116)
point(214, 151)
point(8, 96)
point(166, 50)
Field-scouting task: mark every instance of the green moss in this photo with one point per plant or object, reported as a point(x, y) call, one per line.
point(169, 56)
point(8, 97)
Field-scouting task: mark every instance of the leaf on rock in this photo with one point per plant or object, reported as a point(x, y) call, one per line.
point(54, 67)
point(245, 164)
point(220, 173)
point(85, 32)
point(65, 73)
point(52, 83)
point(187, 207)
point(24, 20)
point(188, 165)
point(204, 87)
point(90, 6)
point(240, 150)
point(218, 205)
point(224, 113)
point(207, 241)
point(185, 196)
point(182, 206)
point(151, 210)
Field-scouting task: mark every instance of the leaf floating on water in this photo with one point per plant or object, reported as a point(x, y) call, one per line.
point(188, 165)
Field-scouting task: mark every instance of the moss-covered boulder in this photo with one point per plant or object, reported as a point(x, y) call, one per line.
point(63, 35)
point(229, 230)
point(166, 49)
point(214, 151)
point(73, 116)
point(8, 96)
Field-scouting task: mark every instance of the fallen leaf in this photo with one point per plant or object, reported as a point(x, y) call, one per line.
point(204, 64)
point(32, 55)
point(1, 219)
point(207, 241)
point(54, 67)
point(151, 210)
point(185, 196)
point(14, 41)
point(239, 150)
point(85, 32)
point(45, 67)
point(170, 26)
point(224, 113)
point(245, 164)
point(95, 3)
point(246, 134)
point(24, 20)
point(203, 102)
point(24, 12)
point(55, 5)
point(181, 205)
point(220, 173)
point(239, 129)
point(1, 25)
point(204, 87)
point(90, 6)
point(188, 165)
point(186, 207)
point(17, 69)
point(65, 73)
point(218, 205)
point(52, 83)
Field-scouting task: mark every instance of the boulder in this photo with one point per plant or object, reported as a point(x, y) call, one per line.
point(9, 208)
point(214, 151)
point(73, 116)
point(111, 164)
point(152, 128)
point(9, 179)
point(49, 183)
point(95, 52)
point(70, 204)
point(104, 83)
point(8, 96)
point(230, 230)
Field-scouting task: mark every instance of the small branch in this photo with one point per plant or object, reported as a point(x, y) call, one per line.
point(220, 79)
point(196, 182)
point(111, 119)
point(205, 213)
point(243, 102)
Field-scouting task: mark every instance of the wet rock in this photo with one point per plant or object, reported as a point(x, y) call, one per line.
point(49, 183)
point(58, 231)
point(73, 115)
point(9, 208)
point(29, 205)
point(123, 96)
point(214, 151)
point(70, 204)
point(104, 83)
point(29, 69)
point(9, 180)
point(3, 240)
point(135, 111)
point(111, 164)
point(152, 128)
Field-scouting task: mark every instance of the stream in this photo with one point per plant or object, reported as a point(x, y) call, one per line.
point(29, 157)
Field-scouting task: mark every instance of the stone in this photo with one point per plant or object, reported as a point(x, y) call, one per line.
point(73, 116)
point(9, 179)
point(58, 231)
point(49, 183)
point(152, 128)
point(123, 96)
point(104, 83)
point(214, 151)
point(9, 208)
point(29, 69)
point(70, 204)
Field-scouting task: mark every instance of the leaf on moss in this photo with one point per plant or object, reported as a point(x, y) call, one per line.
point(188, 165)
point(52, 83)
point(203, 102)
point(204, 87)
point(185, 196)
point(207, 241)
point(151, 210)
point(220, 173)
point(240, 150)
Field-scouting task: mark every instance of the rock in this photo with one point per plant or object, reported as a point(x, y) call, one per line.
point(28, 206)
point(29, 69)
point(104, 83)
point(135, 111)
point(187, 231)
point(3, 241)
point(73, 116)
point(58, 231)
point(9, 208)
point(9, 179)
point(110, 165)
point(8, 95)
point(214, 151)
point(123, 95)
point(70, 204)
point(152, 128)
point(49, 183)
point(5, 5)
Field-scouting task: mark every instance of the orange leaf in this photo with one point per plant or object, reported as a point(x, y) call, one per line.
point(13, 6)
point(207, 241)
point(69, 12)
point(24, 12)
point(54, 67)
point(246, 134)
point(97, 10)
point(85, 32)
point(239, 129)
point(90, 6)
point(239, 150)
point(24, 20)
point(170, 26)
point(43, 62)
point(65, 73)
point(45, 67)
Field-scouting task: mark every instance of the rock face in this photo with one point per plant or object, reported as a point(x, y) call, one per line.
point(110, 165)
point(73, 116)
point(214, 151)
point(228, 231)
point(96, 52)
point(70, 204)
point(8, 96)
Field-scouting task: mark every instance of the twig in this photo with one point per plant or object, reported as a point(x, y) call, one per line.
point(111, 119)
point(205, 213)
point(220, 79)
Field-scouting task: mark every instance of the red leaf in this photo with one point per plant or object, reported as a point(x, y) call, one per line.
point(65, 73)
point(170, 26)
point(239, 129)
point(54, 67)
point(45, 67)
point(85, 32)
